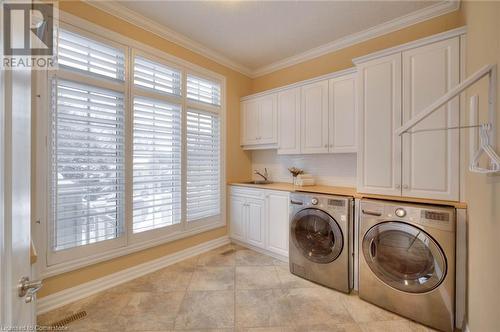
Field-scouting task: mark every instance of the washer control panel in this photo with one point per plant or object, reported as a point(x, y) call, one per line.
point(314, 201)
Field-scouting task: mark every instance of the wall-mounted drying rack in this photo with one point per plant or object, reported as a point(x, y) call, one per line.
point(487, 131)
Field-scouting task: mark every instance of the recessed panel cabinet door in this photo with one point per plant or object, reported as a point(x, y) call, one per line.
point(255, 223)
point(379, 150)
point(238, 216)
point(278, 228)
point(314, 118)
point(268, 121)
point(250, 122)
point(289, 121)
point(430, 153)
point(342, 103)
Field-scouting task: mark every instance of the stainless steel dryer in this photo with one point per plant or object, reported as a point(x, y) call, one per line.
point(320, 239)
point(407, 260)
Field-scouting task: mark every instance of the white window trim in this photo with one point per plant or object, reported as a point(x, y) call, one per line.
point(132, 242)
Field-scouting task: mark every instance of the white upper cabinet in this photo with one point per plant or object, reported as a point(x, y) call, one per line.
point(314, 118)
point(379, 100)
point(430, 153)
point(392, 89)
point(259, 122)
point(342, 117)
point(289, 121)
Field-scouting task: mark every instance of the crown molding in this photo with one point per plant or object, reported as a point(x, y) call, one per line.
point(147, 24)
point(421, 15)
point(115, 9)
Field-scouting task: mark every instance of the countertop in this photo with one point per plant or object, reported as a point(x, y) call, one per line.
point(346, 191)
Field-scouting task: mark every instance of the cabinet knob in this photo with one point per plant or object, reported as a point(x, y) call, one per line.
point(405, 186)
point(398, 186)
point(326, 145)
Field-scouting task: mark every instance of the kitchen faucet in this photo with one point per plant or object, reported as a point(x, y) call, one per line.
point(265, 176)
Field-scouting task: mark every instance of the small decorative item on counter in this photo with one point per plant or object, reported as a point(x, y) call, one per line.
point(295, 171)
point(305, 180)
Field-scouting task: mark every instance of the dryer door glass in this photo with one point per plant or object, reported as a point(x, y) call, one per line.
point(404, 257)
point(317, 235)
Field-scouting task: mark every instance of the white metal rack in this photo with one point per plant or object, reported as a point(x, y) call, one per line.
point(487, 131)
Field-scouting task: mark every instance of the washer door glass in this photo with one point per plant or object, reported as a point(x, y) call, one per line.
point(317, 235)
point(404, 257)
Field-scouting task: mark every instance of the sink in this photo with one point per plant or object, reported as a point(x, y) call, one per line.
point(258, 182)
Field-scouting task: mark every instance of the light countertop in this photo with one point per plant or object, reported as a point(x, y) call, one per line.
point(346, 191)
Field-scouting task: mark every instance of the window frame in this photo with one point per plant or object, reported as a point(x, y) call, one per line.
point(53, 263)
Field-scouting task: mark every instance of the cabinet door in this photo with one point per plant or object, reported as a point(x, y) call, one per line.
point(268, 120)
point(342, 118)
point(314, 118)
point(277, 220)
point(238, 218)
point(289, 121)
point(250, 122)
point(379, 150)
point(255, 223)
point(430, 153)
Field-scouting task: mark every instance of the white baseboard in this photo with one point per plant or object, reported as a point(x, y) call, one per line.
point(84, 290)
point(262, 251)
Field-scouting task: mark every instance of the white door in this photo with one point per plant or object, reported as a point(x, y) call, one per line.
point(250, 122)
point(255, 222)
point(237, 215)
point(15, 230)
point(430, 153)
point(342, 118)
point(277, 221)
point(314, 118)
point(268, 121)
point(379, 150)
point(289, 121)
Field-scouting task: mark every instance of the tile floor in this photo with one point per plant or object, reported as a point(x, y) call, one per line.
point(227, 289)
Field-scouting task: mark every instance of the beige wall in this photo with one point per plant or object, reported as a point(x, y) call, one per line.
point(342, 59)
point(238, 165)
point(483, 191)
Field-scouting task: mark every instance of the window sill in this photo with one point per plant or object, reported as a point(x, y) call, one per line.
point(50, 271)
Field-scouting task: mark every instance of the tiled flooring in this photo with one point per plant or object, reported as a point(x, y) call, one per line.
point(227, 289)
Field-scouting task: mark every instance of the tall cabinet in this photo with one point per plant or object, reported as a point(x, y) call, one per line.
point(393, 88)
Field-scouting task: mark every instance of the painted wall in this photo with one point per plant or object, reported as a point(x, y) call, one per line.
point(342, 59)
point(238, 167)
point(483, 192)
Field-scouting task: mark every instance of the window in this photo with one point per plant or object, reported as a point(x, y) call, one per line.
point(83, 54)
point(87, 164)
point(203, 165)
point(203, 90)
point(157, 164)
point(151, 75)
point(135, 151)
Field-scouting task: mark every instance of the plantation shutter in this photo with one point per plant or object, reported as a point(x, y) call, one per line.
point(206, 91)
point(157, 77)
point(156, 164)
point(203, 165)
point(87, 159)
point(79, 53)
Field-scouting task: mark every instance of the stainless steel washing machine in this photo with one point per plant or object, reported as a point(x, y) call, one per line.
point(321, 239)
point(407, 260)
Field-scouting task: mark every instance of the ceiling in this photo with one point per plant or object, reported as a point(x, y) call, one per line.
point(256, 34)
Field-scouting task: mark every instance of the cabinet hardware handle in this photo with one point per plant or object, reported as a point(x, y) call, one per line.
point(371, 213)
point(405, 186)
point(326, 145)
point(398, 186)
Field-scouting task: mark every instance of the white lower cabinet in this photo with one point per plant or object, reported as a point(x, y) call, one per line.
point(277, 217)
point(255, 222)
point(259, 218)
